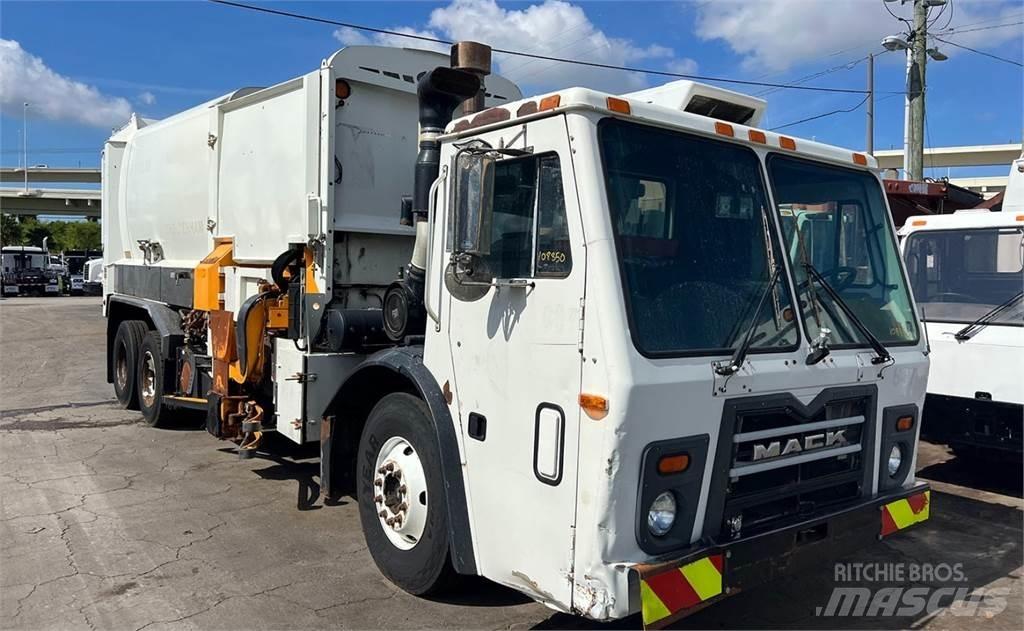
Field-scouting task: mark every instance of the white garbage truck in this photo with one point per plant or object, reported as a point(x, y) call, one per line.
point(966, 270)
point(564, 342)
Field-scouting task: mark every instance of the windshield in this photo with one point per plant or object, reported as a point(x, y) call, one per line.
point(836, 220)
point(960, 275)
point(690, 231)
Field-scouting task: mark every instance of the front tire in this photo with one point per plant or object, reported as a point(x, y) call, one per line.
point(402, 502)
point(124, 356)
point(152, 381)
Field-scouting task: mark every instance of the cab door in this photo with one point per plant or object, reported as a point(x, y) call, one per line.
point(517, 367)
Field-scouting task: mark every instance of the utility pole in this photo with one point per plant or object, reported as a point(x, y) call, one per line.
point(870, 145)
point(917, 59)
point(24, 140)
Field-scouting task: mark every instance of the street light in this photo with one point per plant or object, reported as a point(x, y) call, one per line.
point(895, 42)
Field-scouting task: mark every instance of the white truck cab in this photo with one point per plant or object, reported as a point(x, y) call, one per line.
point(640, 353)
point(966, 270)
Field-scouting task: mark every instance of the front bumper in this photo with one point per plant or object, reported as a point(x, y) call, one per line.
point(983, 423)
point(672, 589)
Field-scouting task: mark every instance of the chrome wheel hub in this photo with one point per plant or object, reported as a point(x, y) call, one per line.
point(148, 379)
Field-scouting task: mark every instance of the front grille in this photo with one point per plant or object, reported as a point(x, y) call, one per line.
point(787, 462)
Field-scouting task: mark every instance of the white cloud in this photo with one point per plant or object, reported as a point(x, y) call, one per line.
point(25, 78)
point(775, 35)
point(146, 98)
point(553, 28)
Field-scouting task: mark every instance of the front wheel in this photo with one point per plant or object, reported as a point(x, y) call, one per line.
point(402, 501)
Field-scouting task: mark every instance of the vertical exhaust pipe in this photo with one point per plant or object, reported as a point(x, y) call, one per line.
point(439, 91)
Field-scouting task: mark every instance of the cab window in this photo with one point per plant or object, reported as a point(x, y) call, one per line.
point(529, 230)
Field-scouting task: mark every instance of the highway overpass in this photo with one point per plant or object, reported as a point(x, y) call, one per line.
point(10, 175)
point(76, 202)
point(943, 157)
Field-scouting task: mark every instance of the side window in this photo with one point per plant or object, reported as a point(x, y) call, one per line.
point(554, 256)
point(529, 230)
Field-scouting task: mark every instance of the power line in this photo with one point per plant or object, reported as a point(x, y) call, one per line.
point(811, 118)
point(518, 53)
point(981, 52)
point(850, 65)
point(958, 31)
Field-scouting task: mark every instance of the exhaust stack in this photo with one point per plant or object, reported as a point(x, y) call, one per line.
point(440, 91)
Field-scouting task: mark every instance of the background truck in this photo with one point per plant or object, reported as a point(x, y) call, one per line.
point(967, 272)
point(75, 262)
point(561, 342)
point(28, 270)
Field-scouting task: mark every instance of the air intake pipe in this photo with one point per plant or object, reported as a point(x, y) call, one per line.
point(439, 91)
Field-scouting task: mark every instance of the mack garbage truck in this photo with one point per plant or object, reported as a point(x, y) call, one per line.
point(967, 271)
point(564, 342)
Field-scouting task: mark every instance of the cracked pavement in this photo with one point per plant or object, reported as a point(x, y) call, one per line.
point(106, 523)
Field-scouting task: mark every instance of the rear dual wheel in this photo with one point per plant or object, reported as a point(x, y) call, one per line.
point(152, 381)
point(125, 354)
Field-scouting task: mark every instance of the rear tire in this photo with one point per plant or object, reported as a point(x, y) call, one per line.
point(413, 553)
point(151, 382)
point(124, 357)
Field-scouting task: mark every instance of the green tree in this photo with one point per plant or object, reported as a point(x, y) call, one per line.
point(10, 230)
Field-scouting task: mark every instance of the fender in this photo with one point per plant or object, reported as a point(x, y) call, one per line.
point(407, 361)
point(165, 320)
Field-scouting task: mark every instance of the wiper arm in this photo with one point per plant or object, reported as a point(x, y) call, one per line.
point(881, 354)
point(741, 351)
point(972, 328)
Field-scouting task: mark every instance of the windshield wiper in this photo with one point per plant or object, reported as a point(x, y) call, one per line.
point(741, 351)
point(882, 355)
point(968, 331)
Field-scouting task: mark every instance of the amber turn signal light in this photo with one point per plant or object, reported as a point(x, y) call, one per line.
point(677, 463)
point(904, 423)
point(594, 405)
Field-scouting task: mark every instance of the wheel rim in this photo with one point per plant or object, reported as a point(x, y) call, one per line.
point(400, 493)
point(148, 379)
point(121, 370)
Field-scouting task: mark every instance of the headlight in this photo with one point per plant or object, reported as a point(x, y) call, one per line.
point(662, 514)
point(895, 459)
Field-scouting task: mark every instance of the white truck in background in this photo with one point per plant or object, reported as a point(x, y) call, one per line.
point(29, 270)
point(562, 342)
point(966, 270)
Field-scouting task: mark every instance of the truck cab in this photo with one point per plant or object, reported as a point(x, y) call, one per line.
point(588, 328)
point(965, 270)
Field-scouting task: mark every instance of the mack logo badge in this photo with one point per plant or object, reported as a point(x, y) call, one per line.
point(775, 449)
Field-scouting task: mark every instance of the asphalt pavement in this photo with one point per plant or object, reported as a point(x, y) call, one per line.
point(106, 523)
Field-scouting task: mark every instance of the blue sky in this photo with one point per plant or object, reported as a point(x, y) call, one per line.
point(85, 65)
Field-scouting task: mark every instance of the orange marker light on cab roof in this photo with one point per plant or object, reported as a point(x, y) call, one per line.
point(787, 143)
point(757, 136)
point(594, 405)
point(550, 102)
point(861, 159)
point(619, 106)
point(677, 463)
point(918, 222)
point(725, 129)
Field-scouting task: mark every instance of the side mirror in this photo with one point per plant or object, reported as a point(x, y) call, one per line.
point(474, 198)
